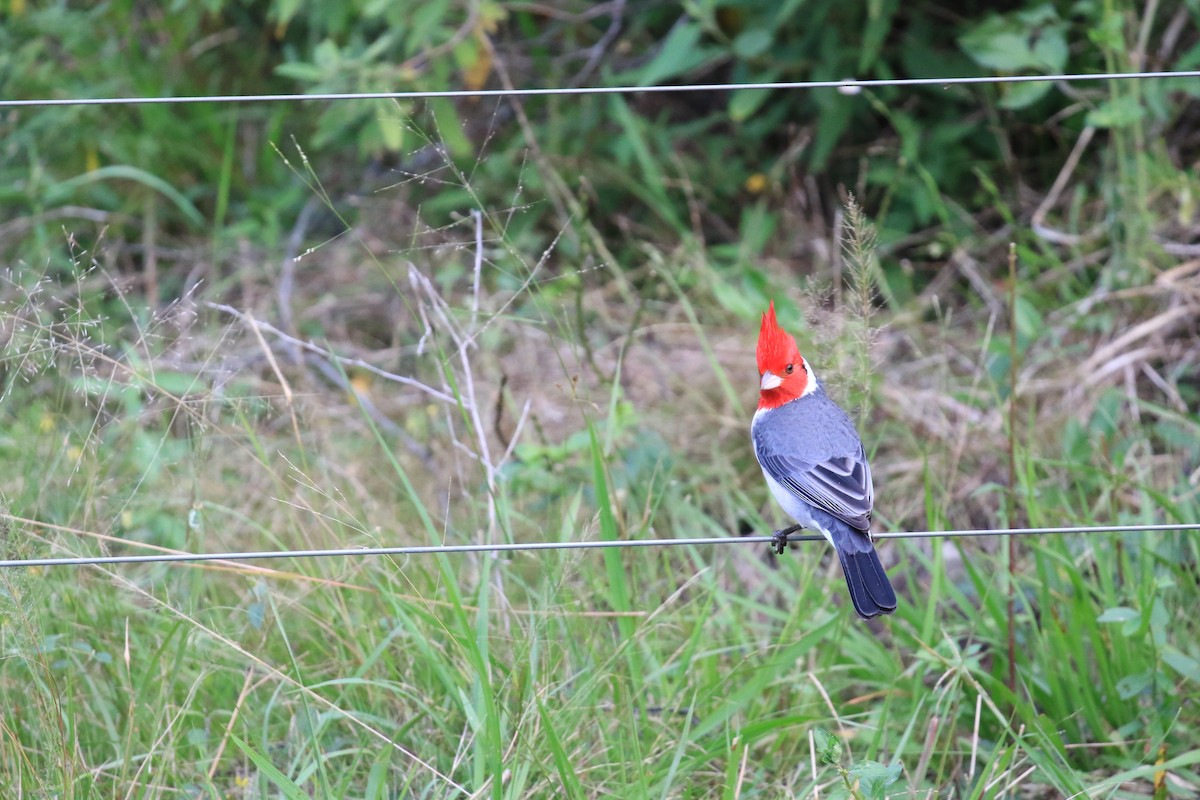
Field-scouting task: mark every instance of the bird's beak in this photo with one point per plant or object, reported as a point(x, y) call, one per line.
point(769, 381)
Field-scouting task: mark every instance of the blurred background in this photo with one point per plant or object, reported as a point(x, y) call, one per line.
point(317, 323)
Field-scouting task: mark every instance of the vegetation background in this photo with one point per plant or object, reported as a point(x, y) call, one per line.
point(326, 324)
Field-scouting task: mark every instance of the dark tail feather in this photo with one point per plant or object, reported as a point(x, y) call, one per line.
point(869, 586)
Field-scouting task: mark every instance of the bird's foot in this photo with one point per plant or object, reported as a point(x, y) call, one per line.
point(779, 539)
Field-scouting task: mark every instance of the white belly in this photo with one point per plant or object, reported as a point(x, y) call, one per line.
point(795, 508)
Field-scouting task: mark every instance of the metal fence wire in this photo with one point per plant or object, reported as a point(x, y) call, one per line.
point(511, 547)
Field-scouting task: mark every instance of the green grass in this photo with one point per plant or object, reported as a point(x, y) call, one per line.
point(656, 673)
point(598, 387)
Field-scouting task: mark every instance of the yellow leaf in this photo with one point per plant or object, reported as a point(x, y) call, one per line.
point(491, 15)
point(756, 183)
point(1160, 776)
point(476, 69)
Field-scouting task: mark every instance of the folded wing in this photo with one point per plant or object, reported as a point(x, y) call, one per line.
point(839, 485)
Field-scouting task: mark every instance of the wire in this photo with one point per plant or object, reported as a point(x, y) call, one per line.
point(848, 86)
point(345, 552)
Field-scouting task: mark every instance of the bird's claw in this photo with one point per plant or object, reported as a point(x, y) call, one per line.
point(779, 539)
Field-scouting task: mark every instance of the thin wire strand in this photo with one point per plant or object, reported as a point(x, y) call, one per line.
point(345, 552)
point(848, 86)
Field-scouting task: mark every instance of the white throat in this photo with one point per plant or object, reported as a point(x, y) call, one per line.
point(810, 385)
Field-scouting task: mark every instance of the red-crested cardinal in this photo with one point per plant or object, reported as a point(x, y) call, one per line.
point(815, 466)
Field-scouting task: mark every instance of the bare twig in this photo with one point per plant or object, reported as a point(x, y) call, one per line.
point(248, 684)
point(477, 215)
point(1173, 30)
point(352, 362)
point(975, 736)
point(287, 270)
point(283, 381)
point(931, 732)
point(1153, 325)
point(812, 676)
point(969, 268)
point(516, 435)
point(22, 224)
point(468, 394)
point(1037, 222)
point(1138, 57)
point(418, 62)
point(1178, 248)
point(812, 755)
point(596, 51)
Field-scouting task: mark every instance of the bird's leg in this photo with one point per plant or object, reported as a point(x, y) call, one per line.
point(779, 539)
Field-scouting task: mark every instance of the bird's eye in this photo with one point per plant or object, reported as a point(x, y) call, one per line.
point(790, 369)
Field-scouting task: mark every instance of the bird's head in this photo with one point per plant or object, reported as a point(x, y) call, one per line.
point(783, 373)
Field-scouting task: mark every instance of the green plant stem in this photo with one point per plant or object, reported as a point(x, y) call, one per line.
point(845, 775)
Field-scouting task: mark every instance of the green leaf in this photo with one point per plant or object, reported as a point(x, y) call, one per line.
point(175, 383)
point(733, 298)
point(1016, 96)
point(327, 55)
point(1108, 31)
point(1120, 112)
point(874, 778)
point(1026, 40)
point(300, 71)
point(651, 176)
point(744, 102)
point(879, 25)
point(392, 125)
point(285, 784)
point(1119, 614)
point(1029, 321)
point(679, 54)
point(449, 127)
point(1184, 664)
point(829, 747)
point(619, 593)
point(1147, 772)
point(752, 43)
point(1131, 686)
point(562, 760)
point(832, 121)
point(285, 10)
point(62, 191)
point(758, 224)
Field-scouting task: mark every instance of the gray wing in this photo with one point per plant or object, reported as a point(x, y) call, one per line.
point(840, 485)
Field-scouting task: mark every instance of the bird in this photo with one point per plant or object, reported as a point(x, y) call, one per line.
point(814, 463)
